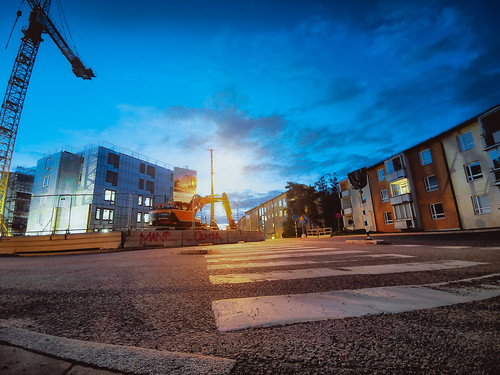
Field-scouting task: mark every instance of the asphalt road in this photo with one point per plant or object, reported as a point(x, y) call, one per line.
point(163, 299)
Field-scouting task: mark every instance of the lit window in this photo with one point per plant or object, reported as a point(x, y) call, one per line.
point(109, 195)
point(46, 180)
point(146, 218)
point(481, 204)
point(148, 201)
point(388, 217)
point(384, 195)
point(400, 187)
point(98, 214)
point(437, 211)
point(107, 214)
point(139, 200)
point(425, 157)
point(466, 141)
point(381, 174)
point(139, 217)
point(431, 183)
point(473, 171)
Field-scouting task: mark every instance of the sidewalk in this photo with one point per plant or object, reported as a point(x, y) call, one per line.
point(34, 353)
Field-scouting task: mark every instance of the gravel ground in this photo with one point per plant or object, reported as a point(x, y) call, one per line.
point(161, 299)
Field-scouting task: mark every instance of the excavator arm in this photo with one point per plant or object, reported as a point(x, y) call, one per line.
point(40, 17)
point(198, 202)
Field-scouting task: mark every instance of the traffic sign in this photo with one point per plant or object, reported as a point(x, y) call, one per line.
point(295, 218)
point(338, 215)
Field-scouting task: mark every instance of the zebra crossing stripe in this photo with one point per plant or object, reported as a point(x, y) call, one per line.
point(235, 278)
point(261, 249)
point(257, 253)
point(281, 255)
point(241, 313)
point(297, 262)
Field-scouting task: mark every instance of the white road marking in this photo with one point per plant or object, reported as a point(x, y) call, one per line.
point(452, 247)
point(258, 253)
point(282, 255)
point(241, 313)
point(237, 250)
point(329, 272)
point(296, 262)
point(409, 245)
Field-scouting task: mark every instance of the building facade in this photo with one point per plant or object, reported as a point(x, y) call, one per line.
point(352, 208)
point(268, 217)
point(17, 200)
point(97, 188)
point(448, 182)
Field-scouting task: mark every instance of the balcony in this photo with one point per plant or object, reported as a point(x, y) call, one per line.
point(347, 211)
point(496, 174)
point(345, 193)
point(400, 199)
point(405, 224)
point(396, 175)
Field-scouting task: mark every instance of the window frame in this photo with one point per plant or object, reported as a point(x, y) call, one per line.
point(381, 174)
point(434, 214)
point(427, 184)
point(388, 219)
point(384, 197)
point(469, 176)
point(422, 155)
point(46, 181)
point(110, 195)
point(461, 143)
point(476, 204)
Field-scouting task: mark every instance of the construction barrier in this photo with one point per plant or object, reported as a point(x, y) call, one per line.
point(319, 232)
point(60, 242)
point(116, 240)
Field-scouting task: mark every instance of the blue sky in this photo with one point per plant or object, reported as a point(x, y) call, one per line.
point(283, 91)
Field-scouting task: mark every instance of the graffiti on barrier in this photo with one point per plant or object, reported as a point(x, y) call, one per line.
point(156, 237)
point(207, 236)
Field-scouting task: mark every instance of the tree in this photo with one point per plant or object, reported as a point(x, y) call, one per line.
point(328, 200)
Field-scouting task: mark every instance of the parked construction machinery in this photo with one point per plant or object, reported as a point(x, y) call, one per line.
point(182, 215)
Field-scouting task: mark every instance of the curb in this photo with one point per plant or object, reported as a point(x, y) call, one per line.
point(370, 242)
point(118, 358)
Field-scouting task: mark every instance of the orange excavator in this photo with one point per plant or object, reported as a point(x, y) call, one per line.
point(182, 215)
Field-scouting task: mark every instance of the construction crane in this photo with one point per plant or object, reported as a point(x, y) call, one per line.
point(39, 23)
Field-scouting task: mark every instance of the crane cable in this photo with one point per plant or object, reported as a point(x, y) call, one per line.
point(19, 14)
point(64, 24)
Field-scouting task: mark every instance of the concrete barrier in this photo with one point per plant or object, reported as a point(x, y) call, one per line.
point(130, 240)
point(60, 242)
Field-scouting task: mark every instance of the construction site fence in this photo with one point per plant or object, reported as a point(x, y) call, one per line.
point(319, 232)
point(58, 243)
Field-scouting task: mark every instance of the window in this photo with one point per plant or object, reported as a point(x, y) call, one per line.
point(495, 162)
point(80, 175)
point(381, 174)
point(400, 187)
point(110, 195)
point(46, 180)
point(388, 217)
point(431, 183)
point(48, 163)
point(139, 200)
point(143, 168)
point(393, 165)
point(466, 141)
point(112, 177)
point(364, 200)
point(150, 186)
point(425, 157)
point(98, 214)
point(146, 218)
point(403, 211)
point(141, 184)
point(114, 160)
point(384, 195)
point(151, 171)
point(108, 214)
point(148, 202)
point(139, 217)
point(82, 159)
point(481, 204)
point(473, 171)
point(437, 211)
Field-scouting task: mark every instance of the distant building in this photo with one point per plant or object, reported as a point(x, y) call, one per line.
point(97, 188)
point(17, 200)
point(352, 210)
point(268, 217)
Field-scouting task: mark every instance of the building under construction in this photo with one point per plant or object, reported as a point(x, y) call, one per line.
point(17, 200)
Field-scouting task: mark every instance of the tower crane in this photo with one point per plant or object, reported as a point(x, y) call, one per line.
point(39, 23)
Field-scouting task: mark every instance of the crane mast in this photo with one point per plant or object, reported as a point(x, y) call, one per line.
point(39, 22)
